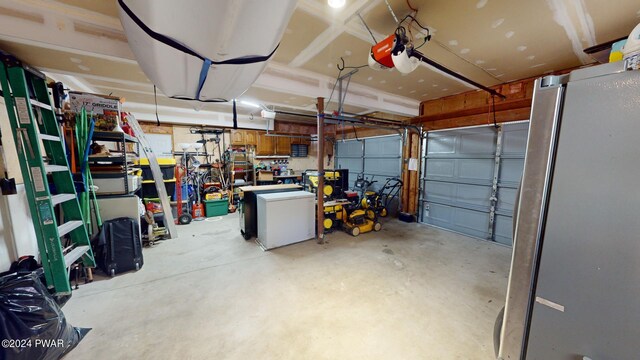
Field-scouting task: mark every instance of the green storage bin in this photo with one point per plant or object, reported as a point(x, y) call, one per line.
point(217, 207)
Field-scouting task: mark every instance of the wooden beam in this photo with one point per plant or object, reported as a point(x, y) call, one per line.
point(406, 152)
point(481, 119)
point(363, 132)
point(413, 175)
point(504, 106)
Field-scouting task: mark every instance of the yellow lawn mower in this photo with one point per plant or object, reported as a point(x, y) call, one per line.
point(355, 219)
point(358, 222)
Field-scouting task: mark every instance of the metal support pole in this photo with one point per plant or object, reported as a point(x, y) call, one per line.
point(494, 185)
point(320, 191)
point(342, 93)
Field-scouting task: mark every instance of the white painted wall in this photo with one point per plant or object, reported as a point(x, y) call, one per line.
point(17, 236)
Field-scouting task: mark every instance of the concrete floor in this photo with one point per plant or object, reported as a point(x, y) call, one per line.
point(407, 292)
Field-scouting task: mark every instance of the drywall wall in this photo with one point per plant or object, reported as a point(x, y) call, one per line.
point(309, 162)
point(181, 134)
point(17, 236)
point(16, 229)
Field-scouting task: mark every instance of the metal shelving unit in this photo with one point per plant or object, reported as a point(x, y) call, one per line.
point(242, 167)
point(124, 158)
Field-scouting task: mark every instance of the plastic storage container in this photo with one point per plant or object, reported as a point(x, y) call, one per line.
point(114, 184)
point(217, 207)
point(149, 188)
point(167, 166)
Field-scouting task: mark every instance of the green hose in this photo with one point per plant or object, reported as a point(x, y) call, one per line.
point(82, 134)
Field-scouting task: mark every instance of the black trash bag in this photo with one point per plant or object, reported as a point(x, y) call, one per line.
point(32, 326)
point(24, 264)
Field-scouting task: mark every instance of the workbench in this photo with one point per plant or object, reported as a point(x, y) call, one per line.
point(286, 179)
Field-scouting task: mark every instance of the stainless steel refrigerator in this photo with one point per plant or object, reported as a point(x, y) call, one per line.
point(574, 285)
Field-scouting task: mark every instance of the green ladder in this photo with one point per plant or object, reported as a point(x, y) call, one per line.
point(33, 120)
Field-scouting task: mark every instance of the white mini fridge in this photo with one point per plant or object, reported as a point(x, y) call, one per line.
point(285, 218)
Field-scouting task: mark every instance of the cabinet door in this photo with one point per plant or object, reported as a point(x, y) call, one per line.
point(250, 137)
point(301, 140)
point(283, 145)
point(264, 144)
point(237, 137)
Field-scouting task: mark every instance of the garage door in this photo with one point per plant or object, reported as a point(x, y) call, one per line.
point(377, 158)
point(470, 177)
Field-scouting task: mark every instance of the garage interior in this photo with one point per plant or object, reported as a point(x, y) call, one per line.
point(313, 179)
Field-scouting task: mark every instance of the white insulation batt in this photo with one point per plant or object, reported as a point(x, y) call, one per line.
point(207, 50)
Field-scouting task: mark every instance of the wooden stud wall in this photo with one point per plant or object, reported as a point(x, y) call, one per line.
point(476, 107)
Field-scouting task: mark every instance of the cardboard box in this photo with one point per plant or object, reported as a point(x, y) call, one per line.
point(104, 109)
point(265, 175)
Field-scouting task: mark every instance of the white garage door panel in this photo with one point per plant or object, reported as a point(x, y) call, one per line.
point(382, 146)
point(477, 142)
point(443, 169)
point(476, 170)
point(458, 176)
point(468, 222)
point(354, 165)
point(381, 167)
point(473, 222)
point(511, 171)
point(514, 138)
point(442, 145)
point(377, 158)
point(459, 195)
point(349, 148)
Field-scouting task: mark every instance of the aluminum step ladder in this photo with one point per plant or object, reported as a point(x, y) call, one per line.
point(34, 127)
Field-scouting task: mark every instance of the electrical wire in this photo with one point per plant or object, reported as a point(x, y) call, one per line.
point(411, 7)
point(409, 16)
point(401, 31)
point(493, 109)
point(355, 132)
point(341, 68)
point(415, 13)
point(423, 42)
point(334, 87)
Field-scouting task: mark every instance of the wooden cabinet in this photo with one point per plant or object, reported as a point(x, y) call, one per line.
point(300, 140)
point(237, 137)
point(283, 145)
point(251, 137)
point(264, 144)
point(272, 145)
point(244, 137)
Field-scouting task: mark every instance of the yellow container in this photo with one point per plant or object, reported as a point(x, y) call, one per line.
point(213, 196)
point(161, 161)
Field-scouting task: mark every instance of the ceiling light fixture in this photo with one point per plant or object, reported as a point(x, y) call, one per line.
point(336, 4)
point(249, 104)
